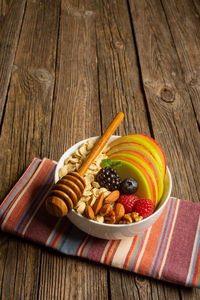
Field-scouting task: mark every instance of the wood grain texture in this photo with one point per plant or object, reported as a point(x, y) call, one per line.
point(76, 115)
point(170, 107)
point(71, 278)
point(184, 23)
point(125, 285)
point(25, 133)
point(26, 128)
point(11, 17)
point(120, 89)
point(20, 267)
point(119, 80)
point(67, 67)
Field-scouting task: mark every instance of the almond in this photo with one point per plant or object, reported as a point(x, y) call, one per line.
point(98, 204)
point(112, 197)
point(89, 212)
point(119, 211)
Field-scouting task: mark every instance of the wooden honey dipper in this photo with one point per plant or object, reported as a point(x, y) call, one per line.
point(68, 190)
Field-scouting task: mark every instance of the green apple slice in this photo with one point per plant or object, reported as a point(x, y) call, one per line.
point(143, 162)
point(149, 164)
point(131, 168)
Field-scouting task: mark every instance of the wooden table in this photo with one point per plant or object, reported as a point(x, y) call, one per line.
point(67, 67)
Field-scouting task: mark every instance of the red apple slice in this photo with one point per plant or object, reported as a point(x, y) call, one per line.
point(152, 146)
point(140, 149)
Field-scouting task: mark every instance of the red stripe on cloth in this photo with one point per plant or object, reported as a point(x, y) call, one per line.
point(182, 242)
point(129, 256)
point(138, 254)
point(59, 235)
point(196, 275)
point(41, 226)
point(96, 250)
point(152, 244)
point(9, 198)
point(162, 240)
point(38, 199)
point(24, 199)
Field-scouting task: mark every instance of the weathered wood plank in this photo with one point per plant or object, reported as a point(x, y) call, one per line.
point(76, 115)
point(19, 268)
point(183, 18)
point(76, 105)
point(184, 22)
point(171, 111)
point(119, 80)
point(120, 89)
point(169, 102)
point(26, 128)
point(71, 278)
point(25, 134)
point(125, 285)
point(11, 17)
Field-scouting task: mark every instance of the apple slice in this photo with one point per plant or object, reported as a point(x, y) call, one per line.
point(152, 146)
point(132, 168)
point(148, 163)
point(131, 146)
point(143, 162)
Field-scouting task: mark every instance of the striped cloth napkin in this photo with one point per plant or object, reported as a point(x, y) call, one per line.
point(169, 250)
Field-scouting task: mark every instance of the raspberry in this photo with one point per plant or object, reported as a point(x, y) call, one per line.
point(128, 202)
point(144, 207)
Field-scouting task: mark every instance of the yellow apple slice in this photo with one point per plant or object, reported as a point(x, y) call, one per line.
point(152, 146)
point(131, 146)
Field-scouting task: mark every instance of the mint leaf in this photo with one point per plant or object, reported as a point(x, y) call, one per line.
point(106, 163)
point(117, 164)
point(110, 163)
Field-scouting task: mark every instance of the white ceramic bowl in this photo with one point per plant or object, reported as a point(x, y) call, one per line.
point(114, 231)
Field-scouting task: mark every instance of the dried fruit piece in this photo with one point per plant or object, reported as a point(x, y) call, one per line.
point(119, 211)
point(112, 197)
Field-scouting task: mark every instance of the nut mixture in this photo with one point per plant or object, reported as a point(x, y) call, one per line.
point(96, 203)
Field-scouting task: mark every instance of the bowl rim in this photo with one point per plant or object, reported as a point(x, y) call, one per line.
point(56, 178)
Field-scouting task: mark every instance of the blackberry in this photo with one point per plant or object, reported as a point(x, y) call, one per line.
point(107, 177)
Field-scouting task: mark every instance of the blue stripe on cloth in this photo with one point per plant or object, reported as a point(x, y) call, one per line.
point(19, 186)
point(35, 200)
point(136, 251)
point(165, 238)
point(57, 229)
point(72, 241)
point(161, 235)
point(195, 259)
